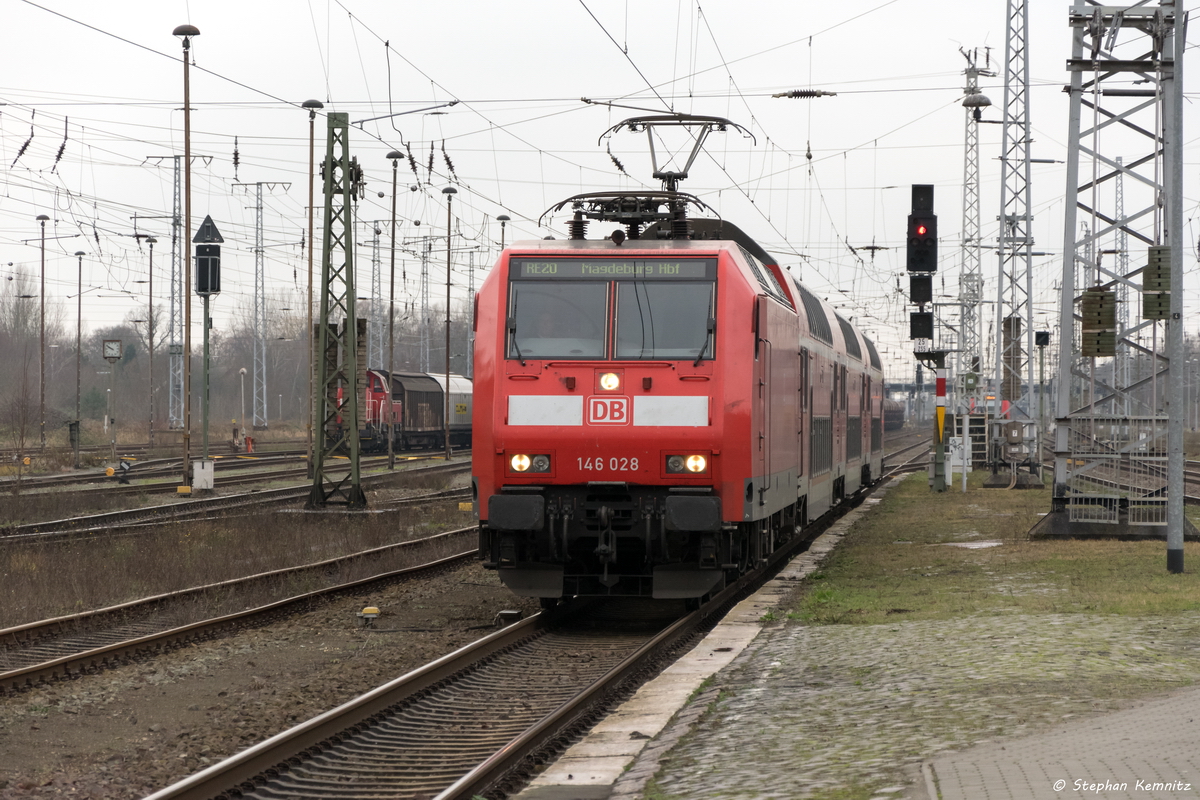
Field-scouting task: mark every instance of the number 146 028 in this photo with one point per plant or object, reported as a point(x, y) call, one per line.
point(613, 464)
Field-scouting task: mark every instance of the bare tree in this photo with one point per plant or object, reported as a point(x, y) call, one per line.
point(21, 413)
point(18, 306)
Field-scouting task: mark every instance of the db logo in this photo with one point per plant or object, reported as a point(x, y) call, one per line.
point(608, 410)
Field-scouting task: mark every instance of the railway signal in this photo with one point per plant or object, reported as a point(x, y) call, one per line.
point(208, 282)
point(922, 259)
point(922, 263)
point(922, 230)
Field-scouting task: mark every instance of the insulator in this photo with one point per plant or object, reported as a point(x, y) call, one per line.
point(804, 94)
point(24, 147)
point(634, 230)
point(577, 227)
point(679, 222)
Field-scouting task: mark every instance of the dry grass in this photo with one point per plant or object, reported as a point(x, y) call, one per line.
point(40, 581)
point(900, 562)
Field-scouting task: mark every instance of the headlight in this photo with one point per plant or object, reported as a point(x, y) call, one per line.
point(683, 464)
point(610, 381)
point(526, 463)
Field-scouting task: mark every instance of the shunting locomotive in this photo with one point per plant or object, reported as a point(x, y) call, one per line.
point(658, 410)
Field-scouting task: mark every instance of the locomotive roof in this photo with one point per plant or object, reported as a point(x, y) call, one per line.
point(707, 229)
point(607, 244)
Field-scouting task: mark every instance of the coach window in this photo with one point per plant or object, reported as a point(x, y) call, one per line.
point(665, 320)
point(557, 319)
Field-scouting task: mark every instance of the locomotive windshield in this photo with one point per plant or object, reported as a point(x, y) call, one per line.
point(663, 320)
point(557, 320)
point(560, 309)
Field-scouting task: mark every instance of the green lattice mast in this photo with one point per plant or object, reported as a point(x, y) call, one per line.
point(337, 334)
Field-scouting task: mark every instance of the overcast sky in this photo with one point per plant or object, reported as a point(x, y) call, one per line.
point(99, 87)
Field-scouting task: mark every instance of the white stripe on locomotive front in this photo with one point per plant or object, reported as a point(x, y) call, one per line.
point(686, 411)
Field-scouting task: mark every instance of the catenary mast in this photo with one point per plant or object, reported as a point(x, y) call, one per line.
point(970, 295)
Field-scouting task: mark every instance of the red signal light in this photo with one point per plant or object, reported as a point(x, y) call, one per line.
point(922, 230)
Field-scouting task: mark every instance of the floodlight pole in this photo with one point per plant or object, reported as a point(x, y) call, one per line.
point(395, 157)
point(312, 106)
point(242, 419)
point(41, 218)
point(78, 355)
point(449, 191)
point(150, 324)
point(186, 32)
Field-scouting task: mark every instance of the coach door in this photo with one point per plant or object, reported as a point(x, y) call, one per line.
point(762, 369)
point(802, 408)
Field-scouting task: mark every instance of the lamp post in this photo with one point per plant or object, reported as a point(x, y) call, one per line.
point(312, 106)
point(395, 157)
point(150, 325)
point(1041, 341)
point(186, 33)
point(78, 355)
point(241, 420)
point(503, 219)
point(41, 218)
point(449, 191)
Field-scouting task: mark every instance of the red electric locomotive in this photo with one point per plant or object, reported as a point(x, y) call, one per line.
point(660, 409)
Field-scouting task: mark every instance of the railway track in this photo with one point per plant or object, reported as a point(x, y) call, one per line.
point(197, 509)
point(140, 455)
point(459, 724)
point(477, 720)
point(65, 647)
point(921, 447)
point(161, 476)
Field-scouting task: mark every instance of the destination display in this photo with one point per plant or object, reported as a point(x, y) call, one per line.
point(615, 269)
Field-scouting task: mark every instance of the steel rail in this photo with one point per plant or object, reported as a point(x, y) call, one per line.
point(164, 480)
point(76, 526)
point(247, 765)
point(95, 658)
point(534, 739)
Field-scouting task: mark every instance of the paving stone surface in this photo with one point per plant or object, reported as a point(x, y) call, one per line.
point(807, 710)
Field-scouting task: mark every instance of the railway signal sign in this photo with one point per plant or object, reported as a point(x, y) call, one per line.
point(920, 325)
point(922, 230)
point(920, 288)
point(208, 258)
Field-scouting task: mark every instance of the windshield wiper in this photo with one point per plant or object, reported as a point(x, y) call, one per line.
point(708, 335)
point(512, 329)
